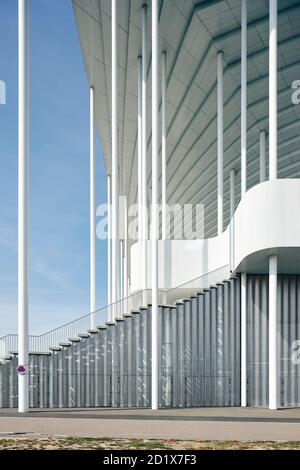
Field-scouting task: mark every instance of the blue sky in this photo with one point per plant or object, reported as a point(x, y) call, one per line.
point(59, 170)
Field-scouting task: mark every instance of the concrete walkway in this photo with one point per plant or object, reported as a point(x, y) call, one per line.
point(186, 423)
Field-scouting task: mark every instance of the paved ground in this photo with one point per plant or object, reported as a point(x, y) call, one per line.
point(192, 424)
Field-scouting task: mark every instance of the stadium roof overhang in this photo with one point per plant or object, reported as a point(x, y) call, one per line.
point(192, 33)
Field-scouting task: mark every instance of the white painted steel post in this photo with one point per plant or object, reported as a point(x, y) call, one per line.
point(220, 141)
point(140, 148)
point(232, 193)
point(273, 399)
point(144, 149)
point(23, 204)
point(125, 255)
point(92, 214)
point(109, 297)
point(163, 145)
point(244, 100)
point(273, 91)
point(243, 339)
point(262, 156)
point(115, 161)
point(154, 234)
point(232, 209)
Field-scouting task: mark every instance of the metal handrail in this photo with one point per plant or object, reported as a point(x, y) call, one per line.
point(52, 338)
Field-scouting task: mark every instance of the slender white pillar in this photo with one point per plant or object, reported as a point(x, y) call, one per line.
point(125, 254)
point(220, 141)
point(140, 147)
point(109, 246)
point(163, 145)
point(232, 209)
point(144, 148)
point(115, 160)
point(244, 100)
point(232, 193)
point(262, 156)
point(273, 400)
point(244, 339)
point(23, 204)
point(92, 214)
point(154, 234)
point(273, 91)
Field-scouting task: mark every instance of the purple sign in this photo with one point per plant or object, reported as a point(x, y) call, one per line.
point(22, 370)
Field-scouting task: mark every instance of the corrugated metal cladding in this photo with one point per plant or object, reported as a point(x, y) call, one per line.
point(199, 362)
point(288, 340)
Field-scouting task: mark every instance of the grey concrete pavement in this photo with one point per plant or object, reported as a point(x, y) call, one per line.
point(191, 424)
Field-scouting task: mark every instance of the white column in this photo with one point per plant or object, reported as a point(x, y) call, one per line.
point(163, 145)
point(140, 147)
point(232, 209)
point(232, 193)
point(244, 339)
point(92, 214)
point(144, 145)
point(273, 400)
point(220, 142)
point(154, 234)
point(109, 246)
point(262, 156)
point(244, 100)
point(273, 91)
point(23, 203)
point(125, 254)
point(115, 160)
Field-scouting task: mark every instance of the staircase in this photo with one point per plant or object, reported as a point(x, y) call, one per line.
point(199, 359)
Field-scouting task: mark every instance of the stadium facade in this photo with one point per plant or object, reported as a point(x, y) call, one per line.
point(196, 103)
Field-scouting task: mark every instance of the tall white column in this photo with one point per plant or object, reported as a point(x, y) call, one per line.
point(140, 148)
point(23, 204)
point(273, 399)
point(262, 156)
point(273, 91)
point(220, 142)
point(125, 254)
point(163, 145)
point(244, 100)
point(115, 160)
point(144, 149)
point(232, 209)
point(109, 246)
point(244, 339)
point(154, 234)
point(92, 214)
point(232, 193)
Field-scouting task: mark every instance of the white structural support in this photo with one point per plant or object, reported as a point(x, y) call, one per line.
point(262, 157)
point(144, 147)
point(92, 213)
point(244, 339)
point(163, 145)
point(125, 253)
point(244, 100)
point(109, 246)
point(140, 148)
point(115, 160)
point(220, 141)
point(23, 204)
point(273, 91)
point(232, 209)
point(154, 234)
point(232, 193)
point(273, 399)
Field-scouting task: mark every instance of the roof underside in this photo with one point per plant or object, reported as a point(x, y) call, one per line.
point(192, 32)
